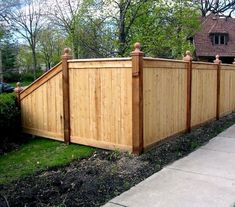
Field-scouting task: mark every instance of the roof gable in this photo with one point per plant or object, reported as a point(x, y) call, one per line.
point(213, 24)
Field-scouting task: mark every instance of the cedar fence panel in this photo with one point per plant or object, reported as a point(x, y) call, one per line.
point(165, 99)
point(126, 103)
point(204, 92)
point(42, 106)
point(100, 103)
point(227, 94)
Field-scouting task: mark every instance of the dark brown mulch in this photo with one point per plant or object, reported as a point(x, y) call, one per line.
point(95, 180)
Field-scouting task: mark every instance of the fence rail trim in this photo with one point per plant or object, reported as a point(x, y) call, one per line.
point(98, 60)
point(163, 59)
point(40, 81)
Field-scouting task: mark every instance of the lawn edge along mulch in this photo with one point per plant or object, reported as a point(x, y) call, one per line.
point(95, 180)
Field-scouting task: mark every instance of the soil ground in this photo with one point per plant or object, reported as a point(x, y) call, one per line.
point(95, 180)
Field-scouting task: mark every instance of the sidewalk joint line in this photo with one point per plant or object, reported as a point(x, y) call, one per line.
point(117, 204)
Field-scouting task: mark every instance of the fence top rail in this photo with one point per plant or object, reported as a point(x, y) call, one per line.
point(231, 65)
point(42, 76)
point(163, 59)
point(41, 80)
point(203, 63)
point(99, 60)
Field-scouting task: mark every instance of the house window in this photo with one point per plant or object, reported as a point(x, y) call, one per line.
point(219, 39)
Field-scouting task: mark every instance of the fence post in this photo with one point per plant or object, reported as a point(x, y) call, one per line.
point(188, 58)
point(218, 62)
point(137, 99)
point(65, 84)
point(17, 90)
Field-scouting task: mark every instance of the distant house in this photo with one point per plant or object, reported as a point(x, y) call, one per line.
point(216, 37)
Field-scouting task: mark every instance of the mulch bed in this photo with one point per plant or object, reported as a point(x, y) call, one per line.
point(95, 180)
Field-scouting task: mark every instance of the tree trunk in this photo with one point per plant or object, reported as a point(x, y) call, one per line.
point(1, 69)
point(34, 63)
point(122, 41)
point(122, 35)
point(75, 47)
point(75, 50)
point(48, 62)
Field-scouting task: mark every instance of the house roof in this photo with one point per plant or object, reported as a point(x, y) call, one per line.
point(215, 24)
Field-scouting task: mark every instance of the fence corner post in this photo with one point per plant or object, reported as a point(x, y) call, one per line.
point(137, 100)
point(65, 85)
point(188, 58)
point(218, 62)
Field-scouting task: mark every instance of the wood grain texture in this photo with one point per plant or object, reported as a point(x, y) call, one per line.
point(66, 99)
point(101, 106)
point(137, 101)
point(42, 109)
point(204, 92)
point(107, 63)
point(227, 89)
point(189, 95)
point(218, 91)
point(165, 99)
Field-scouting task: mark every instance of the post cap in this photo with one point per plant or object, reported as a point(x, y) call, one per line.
point(67, 54)
point(18, 88)
point(137, 46)
point(18, 84)
point(217, 60)
point(188, 56)
point(137, 51)
point(67, 51)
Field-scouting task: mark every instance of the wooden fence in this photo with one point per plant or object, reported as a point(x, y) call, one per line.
point(126, 103)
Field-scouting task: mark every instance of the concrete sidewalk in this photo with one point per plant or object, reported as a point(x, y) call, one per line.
point(204, 178)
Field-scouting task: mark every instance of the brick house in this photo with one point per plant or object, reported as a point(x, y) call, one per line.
point(217, 36)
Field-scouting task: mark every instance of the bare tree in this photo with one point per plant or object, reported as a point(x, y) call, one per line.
point(216, 6)
point(65, 14)
point(96, 38)
point(51, 45)
point(5, 7)
point(27, 20)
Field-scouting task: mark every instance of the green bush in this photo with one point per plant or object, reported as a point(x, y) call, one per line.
point(10, 125)
point(10, 77)
point(28, 76)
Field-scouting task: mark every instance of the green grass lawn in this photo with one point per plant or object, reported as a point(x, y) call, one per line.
point(38, 154)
